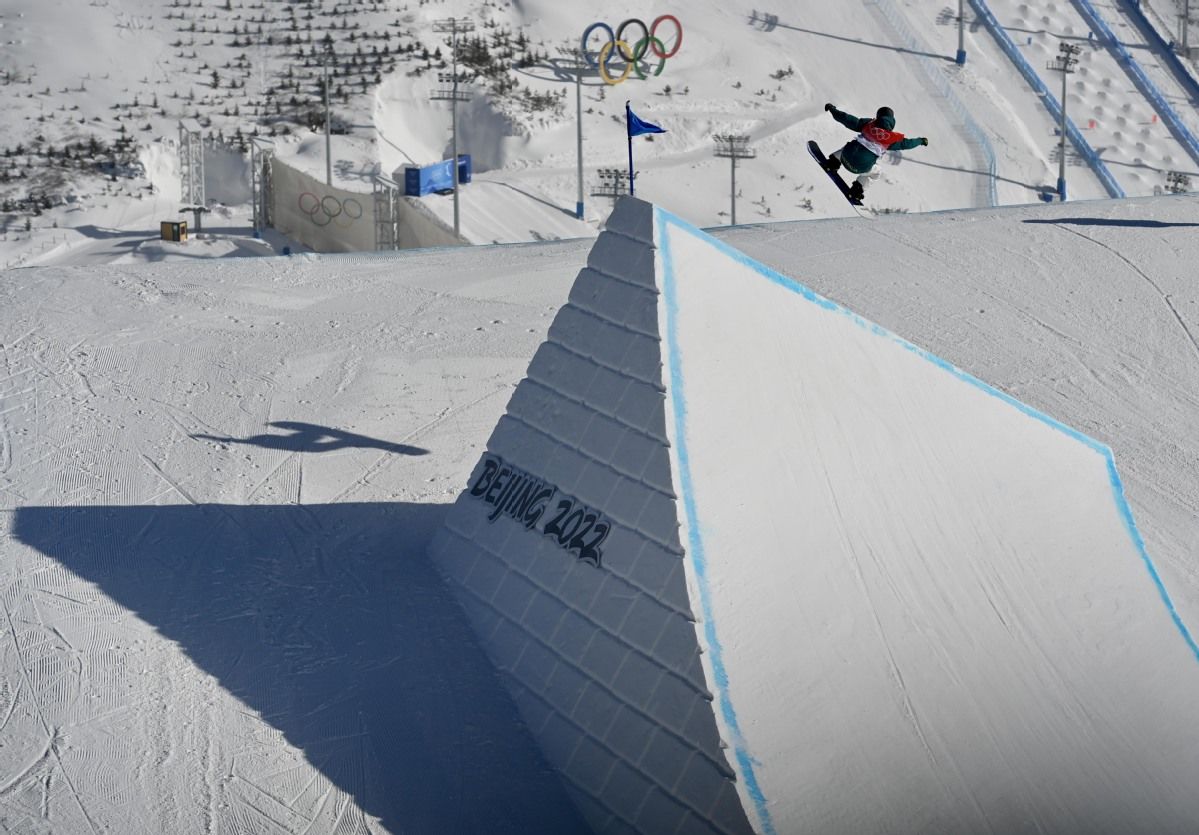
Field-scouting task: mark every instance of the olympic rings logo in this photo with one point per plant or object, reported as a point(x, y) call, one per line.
point(328, 209)
point(618, 44)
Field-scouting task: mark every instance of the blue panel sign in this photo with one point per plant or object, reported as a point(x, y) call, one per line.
point(438, 177)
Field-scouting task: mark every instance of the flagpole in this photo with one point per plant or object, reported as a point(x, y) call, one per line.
point(627, 121)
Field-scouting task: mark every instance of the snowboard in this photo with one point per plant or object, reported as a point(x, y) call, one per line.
point(819, 156)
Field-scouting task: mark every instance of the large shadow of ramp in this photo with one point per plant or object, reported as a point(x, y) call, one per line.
point(320, 619)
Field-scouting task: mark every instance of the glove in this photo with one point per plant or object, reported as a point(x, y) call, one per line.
point(923, 141)
point(829, 108)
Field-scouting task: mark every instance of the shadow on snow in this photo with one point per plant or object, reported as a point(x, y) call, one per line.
point(1104, 221)
point(308, 437)
point(775, 23)
point(330, 623)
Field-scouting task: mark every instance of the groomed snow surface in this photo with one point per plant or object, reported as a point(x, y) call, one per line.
point(926, 485)
point(220, 480)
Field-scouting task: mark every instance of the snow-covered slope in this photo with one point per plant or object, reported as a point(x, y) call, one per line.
point(218, 478)
point(132, 69)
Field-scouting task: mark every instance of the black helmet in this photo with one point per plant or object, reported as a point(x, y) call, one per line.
point(885, 113)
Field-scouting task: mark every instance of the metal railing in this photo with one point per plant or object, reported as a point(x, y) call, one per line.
point(1051, 103)
point(1184, 73)
point(1143, 83)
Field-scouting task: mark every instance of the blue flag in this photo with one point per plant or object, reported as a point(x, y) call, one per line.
point(638, 127)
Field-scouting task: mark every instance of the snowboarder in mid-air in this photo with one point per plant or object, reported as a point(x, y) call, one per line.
point(875, 137)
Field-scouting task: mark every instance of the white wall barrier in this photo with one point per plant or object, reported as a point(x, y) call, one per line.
point(330, 219)
point(418, 227)
point(325, 218)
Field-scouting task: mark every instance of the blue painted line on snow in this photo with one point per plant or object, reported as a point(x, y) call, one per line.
point(695, 542)
point(1122, 506)
point(1131, 525)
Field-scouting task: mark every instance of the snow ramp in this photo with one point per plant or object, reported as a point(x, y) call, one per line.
point(752, 563)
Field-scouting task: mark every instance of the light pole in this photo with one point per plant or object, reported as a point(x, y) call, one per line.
point(611, 183)
point(734, 147)
point(329, 132)
point(453, 25)
point(577, 65)
point(1064, 64)
point(453, 95)
point(961, 56)
point(1184, 25)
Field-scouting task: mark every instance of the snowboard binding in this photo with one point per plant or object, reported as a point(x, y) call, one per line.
point(856, 191)
point(831, 166)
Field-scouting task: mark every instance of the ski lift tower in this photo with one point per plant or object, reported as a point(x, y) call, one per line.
point(191, 161)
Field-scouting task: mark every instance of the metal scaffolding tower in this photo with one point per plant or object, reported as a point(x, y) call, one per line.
point(191, 161)
point(387, 219)
point(262, 151)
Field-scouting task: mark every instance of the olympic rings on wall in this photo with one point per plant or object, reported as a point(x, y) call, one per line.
point(329, 209)
point(633, 56)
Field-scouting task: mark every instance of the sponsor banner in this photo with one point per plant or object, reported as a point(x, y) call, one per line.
point(419, 181)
